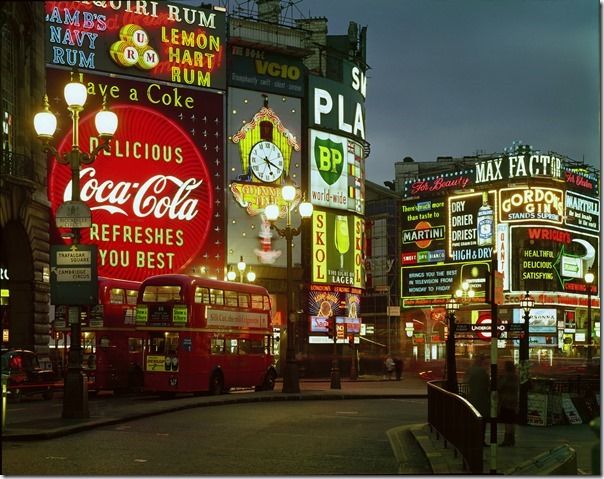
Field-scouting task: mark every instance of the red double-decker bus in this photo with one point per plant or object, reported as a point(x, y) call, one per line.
point(112, 348)
point(204, 335)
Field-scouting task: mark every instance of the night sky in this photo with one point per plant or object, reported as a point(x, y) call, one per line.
point(457, 77)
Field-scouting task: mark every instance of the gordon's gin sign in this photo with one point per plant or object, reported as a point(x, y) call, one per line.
point(152, 197)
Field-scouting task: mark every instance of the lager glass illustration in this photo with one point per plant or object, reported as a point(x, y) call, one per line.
point(341, 238)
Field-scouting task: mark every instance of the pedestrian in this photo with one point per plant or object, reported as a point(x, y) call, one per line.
point(507, 409)
point(398, 368)
point(388, 367)
point(479, 390)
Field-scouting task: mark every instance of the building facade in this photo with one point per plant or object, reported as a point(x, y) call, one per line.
point(501, 225)
point(24, 206)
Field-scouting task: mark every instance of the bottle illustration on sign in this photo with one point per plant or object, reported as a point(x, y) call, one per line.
point(484, 223)
point(341, 237)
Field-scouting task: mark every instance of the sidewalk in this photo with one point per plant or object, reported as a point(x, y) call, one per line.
point(530, 440)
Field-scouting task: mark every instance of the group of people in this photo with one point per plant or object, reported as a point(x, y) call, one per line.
point(479, 395)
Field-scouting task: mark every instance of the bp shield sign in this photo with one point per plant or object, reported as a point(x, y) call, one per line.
point(73, 274)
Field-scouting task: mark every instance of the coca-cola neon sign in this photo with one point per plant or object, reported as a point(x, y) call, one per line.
point(151, 197)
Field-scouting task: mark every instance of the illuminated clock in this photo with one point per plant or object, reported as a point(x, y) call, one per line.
point(266, 161)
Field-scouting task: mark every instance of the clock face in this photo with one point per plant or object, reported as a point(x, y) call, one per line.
point(266, 161)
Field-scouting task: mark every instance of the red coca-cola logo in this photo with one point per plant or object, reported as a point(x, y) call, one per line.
point(151, 197)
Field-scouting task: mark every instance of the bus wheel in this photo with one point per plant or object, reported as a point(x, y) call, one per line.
point(216, 384)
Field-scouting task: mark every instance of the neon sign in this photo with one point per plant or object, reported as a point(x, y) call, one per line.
point(152, 40)
point(520, 166)
point(528, 204)
point(153, 196)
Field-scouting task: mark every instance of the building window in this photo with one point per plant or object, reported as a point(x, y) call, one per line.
point(9, 92)
point(379, 252)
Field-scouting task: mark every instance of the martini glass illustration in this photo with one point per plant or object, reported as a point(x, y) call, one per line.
point(341, 237)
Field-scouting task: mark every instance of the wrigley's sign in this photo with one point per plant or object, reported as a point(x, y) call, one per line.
point(520, 166)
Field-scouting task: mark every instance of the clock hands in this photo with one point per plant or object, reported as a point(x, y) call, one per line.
point(270, 163)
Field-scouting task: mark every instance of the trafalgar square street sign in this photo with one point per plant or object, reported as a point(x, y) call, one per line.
point(73, 274)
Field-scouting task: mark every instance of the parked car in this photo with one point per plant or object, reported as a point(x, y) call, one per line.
point(25, 376)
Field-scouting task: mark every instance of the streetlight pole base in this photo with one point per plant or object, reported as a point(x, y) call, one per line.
point(75, 395)
point(335, 376)
point(291, 380)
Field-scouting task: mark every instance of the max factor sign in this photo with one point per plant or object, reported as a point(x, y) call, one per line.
point(520, 166)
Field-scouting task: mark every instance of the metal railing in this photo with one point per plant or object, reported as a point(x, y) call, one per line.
point(460, 424)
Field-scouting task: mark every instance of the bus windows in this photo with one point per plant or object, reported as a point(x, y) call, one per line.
point(217, 296)
point(260, 302)
point(231, 298)
point(244, 300)
point(202, 295)
point(131, 295)
point(89, 350)
point(161, 294)
point(251, 346)
point(135, 345)
point(163, 343)
point(232, 346)
point(217, 346)
point(116, 296)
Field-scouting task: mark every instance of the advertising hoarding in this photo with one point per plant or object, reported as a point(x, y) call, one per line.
point(337, 241)
point(471, 224)
point(430, 186)
point(339, 106)
point(152, 40)
point(582, 212)
point(515, 167)
point(337, 172)
point(263, 70)
point(530, 204)
point(541, 320)
point(153, 196)
point(434, 284)
point(273, 121)
point(423, 231)
point(552, 259)
point(327, 302)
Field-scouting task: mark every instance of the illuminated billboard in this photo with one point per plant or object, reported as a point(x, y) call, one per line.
point(530, 204)
point(471, 225)
point(339, 106)
point(551, 258)
point(337, 256)
point(423, 231)
point(517, 167)
point(431, 186)
point(582, 212)
point(337, 172)
point(151, 40)
point(326, 302)
point(434, 284)
point(263, 70)
point(153, 197)
point(263, 151)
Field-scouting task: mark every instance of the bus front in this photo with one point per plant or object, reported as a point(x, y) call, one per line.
point(163, 314)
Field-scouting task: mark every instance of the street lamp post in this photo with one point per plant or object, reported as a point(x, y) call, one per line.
point(451, 306)
point(526, 304)
point(291, 383)
point(589, 279)
point(241, 266)
point(75, 397)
